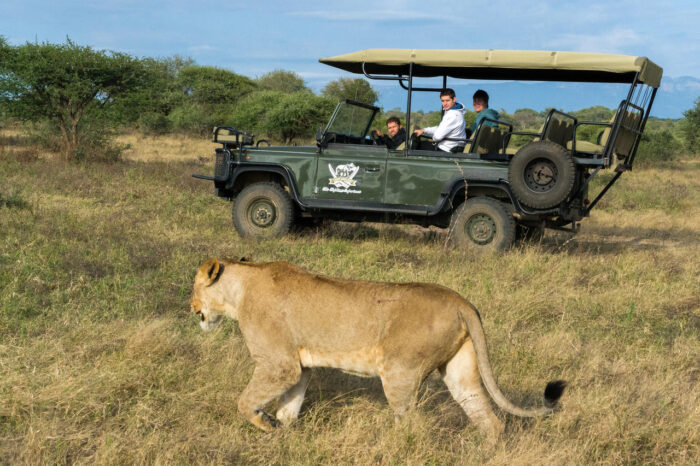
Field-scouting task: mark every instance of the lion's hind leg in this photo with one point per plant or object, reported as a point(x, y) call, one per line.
point(401, 387)
point(461, 375)
point(266, 384)
point(291, 400)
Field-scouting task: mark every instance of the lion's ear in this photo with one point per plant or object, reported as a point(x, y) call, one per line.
point(210, 270)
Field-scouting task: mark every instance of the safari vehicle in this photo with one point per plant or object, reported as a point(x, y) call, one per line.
point(488, 195)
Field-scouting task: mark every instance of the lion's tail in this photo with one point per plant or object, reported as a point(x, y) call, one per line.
point(552, 392)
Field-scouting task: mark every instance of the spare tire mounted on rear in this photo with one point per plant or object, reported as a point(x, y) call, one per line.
point(541, 174)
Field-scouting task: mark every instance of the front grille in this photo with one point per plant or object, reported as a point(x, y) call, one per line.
point(221, 169)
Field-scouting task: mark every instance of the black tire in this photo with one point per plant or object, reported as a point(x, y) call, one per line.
point(482, 224)
point(262, 210)
point(541, 174)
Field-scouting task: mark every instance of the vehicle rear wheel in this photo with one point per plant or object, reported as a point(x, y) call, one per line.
point(541, 174)
point(483, 224)
point(262, 210)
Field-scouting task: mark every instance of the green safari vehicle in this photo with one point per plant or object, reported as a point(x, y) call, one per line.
point(488, 195)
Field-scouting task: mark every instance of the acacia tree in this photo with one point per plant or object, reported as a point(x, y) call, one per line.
point(63, 83)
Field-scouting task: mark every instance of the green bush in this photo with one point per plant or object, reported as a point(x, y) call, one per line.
point(249, 113)
point(297, 116)
point(193, 118)
point(95, 140)
point(656, 147)
point(154, 123)
point(690, 126)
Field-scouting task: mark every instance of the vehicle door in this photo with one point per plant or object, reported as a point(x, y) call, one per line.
point(418, 177)
point(349, 167)
point(351, 172)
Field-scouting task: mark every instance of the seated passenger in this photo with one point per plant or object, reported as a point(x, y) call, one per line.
point(451, 126)
point(481, 107)
point(396, 135)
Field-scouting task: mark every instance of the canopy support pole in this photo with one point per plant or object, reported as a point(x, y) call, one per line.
point(408, 107)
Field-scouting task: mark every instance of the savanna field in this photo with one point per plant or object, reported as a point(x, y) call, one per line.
point(101, 361)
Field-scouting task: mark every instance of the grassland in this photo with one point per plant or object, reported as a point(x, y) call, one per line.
point(100, 361)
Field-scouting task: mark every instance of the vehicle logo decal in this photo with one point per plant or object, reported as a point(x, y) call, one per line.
point(343, 178)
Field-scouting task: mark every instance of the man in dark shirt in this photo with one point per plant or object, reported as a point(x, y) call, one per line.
point(481, 107)
point(395, 136)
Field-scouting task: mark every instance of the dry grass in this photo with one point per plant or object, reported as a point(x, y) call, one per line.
point(165, 148)
point(101, 363)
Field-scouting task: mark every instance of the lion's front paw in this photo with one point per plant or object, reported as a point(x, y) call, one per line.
point(265, 421)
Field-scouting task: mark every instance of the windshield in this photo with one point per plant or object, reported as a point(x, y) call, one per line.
point(351, 119)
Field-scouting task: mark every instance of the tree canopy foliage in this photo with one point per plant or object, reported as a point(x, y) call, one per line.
point(65, 84)
point(281, 80)
point(354, 89)
point(283, 116)
point(207, 85)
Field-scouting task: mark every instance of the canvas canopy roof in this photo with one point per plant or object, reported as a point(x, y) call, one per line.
point(528, 65)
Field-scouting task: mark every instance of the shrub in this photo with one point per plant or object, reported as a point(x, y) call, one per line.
point(690, 125)
point(249, 113)
point(657, 146)
point(154, 123)
point(198, 119)
point(297, 115)
point(94, 143)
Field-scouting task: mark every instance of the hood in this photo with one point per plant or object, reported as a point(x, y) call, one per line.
point(458, 107)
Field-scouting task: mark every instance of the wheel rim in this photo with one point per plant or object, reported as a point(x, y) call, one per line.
point(262, 213)
point(541, 175)
point(481, 229)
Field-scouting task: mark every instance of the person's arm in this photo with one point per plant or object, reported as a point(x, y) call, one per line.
point(429, 131)
point(450, 122)
point(479, 116)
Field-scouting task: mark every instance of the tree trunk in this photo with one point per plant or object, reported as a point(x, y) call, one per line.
point(67, 148)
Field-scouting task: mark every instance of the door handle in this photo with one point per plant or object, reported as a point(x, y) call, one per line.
point(371, 169)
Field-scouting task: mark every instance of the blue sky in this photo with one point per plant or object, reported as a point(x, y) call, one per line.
point(254, 37)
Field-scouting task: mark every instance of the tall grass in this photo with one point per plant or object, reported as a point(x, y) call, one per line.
point(101, 362)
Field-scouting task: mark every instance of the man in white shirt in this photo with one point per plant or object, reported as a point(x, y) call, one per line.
point(451, 126)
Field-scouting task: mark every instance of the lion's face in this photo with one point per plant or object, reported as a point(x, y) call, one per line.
point(209, 319)
point(203, 301)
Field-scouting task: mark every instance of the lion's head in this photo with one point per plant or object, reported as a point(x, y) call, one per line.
point(204, 300)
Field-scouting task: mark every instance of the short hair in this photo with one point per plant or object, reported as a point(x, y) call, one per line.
point(393, 120)
point(449, 92)
point(482, 97)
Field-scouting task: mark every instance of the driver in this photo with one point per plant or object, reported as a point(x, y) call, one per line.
point(396, 134)
point(451, 126)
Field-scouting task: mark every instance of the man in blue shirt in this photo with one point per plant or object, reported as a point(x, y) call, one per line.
point(481, 107)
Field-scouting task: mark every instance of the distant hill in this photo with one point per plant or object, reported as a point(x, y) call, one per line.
point(674, 97)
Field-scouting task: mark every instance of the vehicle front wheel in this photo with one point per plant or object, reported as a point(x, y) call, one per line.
point(483, 224)
point(262, 210)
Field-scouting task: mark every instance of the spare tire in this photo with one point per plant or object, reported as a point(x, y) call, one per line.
point(541, 174)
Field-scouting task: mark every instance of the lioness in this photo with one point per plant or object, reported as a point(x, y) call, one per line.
point(293, 320)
